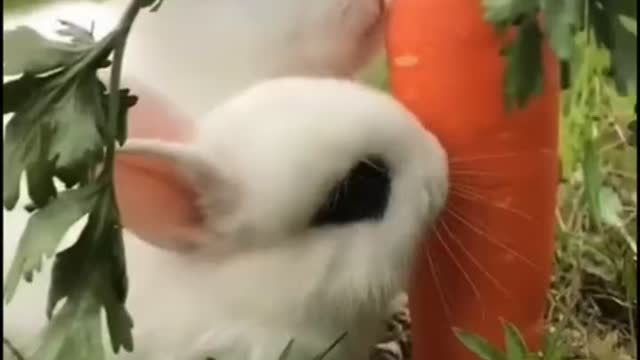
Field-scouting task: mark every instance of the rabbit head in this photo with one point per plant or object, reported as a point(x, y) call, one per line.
point(336, 173)
point(292, 210)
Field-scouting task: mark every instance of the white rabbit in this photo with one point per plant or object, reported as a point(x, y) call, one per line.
point(293, 211)
point(196, 53)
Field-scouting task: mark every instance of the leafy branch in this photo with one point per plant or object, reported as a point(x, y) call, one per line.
point(65, 125)
point(613, 24)
point(515, 347)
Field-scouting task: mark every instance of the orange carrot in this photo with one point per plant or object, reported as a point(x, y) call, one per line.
point(489, 259)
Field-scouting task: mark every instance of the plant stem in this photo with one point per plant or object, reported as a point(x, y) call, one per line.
point(121, 34)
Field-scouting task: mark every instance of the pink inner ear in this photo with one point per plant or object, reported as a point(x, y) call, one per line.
point(155, 201)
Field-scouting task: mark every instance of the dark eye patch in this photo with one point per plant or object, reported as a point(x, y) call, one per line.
point(361, 195)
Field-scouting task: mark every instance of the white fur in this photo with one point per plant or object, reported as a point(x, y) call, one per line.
point(198, 53)
point(282, 144)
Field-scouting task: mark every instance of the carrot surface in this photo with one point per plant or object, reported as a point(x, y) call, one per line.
point(489, 258)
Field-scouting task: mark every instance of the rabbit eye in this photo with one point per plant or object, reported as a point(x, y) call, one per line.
point(361, 195)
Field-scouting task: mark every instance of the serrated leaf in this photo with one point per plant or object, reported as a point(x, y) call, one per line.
point(611, 31)
point(74, 118)
point(58, 129)
point(21, 149)
point(68, 122)
point(624, 57)
point(19, 92)
point(40, 173)
point(23, 134)
point(126, 101)
point(27, 51)
point(479, 346)
point(40, 182)
point(119, 322)
point(560, 20)
point(75, 332)
point(98, 256)
point(600, 20)
point(72, 176)
point(13, 168)
point(524, 75)
point(78, 34)
point(44, 232)
point(627, 8)
point(516, 349)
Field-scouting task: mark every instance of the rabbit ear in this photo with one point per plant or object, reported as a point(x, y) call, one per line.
point(158, 186)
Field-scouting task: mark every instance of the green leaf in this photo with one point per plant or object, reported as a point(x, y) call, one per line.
point(114, 291)
point(75, 118)
point(73, 176)
point(627, 8)
point(94, 266)
point(77, 34)
point(40, 182)
point(554, 348)
point(479, 346)
point(58, 129)
point(515, 347)
point(126, 101)
point(624, 57)
point(26, 51)
point(147, 3)
point(19, 92)
point(40, 173)
point(600, 19)
point(66, 115)
point(19, 152)
point(75, 332)
point(560, 20)
point(503, 12)
point(44, 232)
point(608, 21)
point(524, 74)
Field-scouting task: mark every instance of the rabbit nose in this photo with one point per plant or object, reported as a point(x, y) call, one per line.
point(361, 195)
